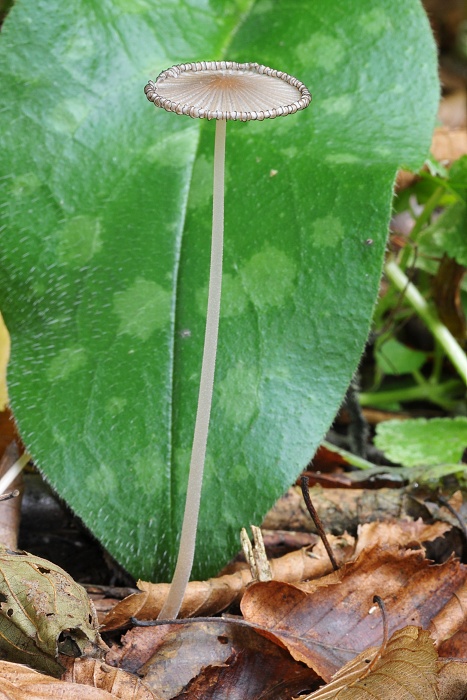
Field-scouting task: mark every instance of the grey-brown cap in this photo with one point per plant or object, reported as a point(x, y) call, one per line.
point(227, 90)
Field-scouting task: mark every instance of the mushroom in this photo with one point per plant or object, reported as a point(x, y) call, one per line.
point(220, 90)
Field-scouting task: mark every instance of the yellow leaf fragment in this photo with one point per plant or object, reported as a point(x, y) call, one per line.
point(406, 670)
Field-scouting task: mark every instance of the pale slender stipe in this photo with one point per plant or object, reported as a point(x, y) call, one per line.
point(220, 90)
point(186, 550)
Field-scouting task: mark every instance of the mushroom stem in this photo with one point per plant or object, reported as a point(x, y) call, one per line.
point(186, 549)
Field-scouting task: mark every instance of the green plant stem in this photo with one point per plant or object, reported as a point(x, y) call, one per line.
point(186, 550)
point(444, 337)
point(431, 392)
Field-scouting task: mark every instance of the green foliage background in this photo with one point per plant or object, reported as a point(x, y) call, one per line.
point(104, 249)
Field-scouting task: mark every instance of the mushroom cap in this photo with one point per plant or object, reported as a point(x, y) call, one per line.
point(227, 90)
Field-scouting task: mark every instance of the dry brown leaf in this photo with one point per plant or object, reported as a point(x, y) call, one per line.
point(402, 533)
point(212, 659)
point(456, 646)
point(406, 670)
point(19, 682)
point(452, 680)
point(325, 623)
point(118, 683)
point(452, 618)
point(211, 596)
point(341, 510)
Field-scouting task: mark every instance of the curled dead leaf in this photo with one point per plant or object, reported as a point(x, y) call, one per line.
point(43, 613)
point(115, 681)
point(404, 533)
point(406, 669)
point(210, 597)
point(18, 682)
point(452, 618)
point(325, 623)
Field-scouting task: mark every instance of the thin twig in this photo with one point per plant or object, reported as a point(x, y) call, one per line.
point(380, 603)
point(382, 649)
point(315, 517)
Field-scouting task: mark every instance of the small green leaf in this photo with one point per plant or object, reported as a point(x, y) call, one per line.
point(421, 442)
point(394, 358)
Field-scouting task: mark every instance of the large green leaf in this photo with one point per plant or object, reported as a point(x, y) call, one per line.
point(105, 245)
